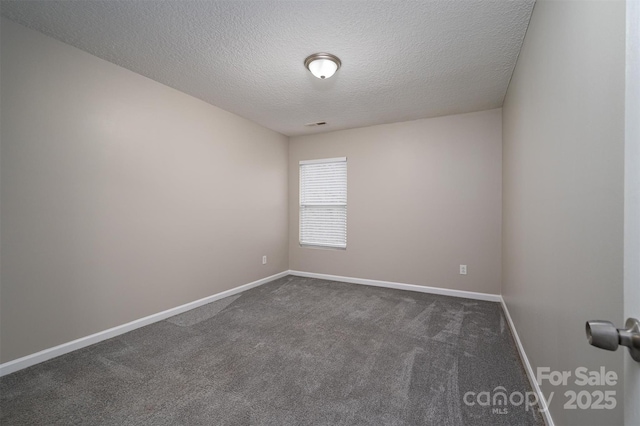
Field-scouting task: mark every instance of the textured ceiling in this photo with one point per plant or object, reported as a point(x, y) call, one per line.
point(401, 60)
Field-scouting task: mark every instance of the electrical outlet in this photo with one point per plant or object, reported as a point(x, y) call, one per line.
point(463, 269)
point(264, 260)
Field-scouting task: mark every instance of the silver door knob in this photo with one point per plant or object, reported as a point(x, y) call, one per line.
point(604, 335)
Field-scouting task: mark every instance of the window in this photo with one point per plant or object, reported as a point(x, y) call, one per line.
point(323, 203)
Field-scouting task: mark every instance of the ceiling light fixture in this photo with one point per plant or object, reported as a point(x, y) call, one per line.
point(322, 65)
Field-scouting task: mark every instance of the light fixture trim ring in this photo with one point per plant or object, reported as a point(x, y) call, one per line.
point(322, 55)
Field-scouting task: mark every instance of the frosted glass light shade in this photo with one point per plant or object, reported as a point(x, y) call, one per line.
point(323, 68)
point(322, 65)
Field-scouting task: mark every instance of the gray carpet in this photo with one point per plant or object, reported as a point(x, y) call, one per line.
point(295, 351)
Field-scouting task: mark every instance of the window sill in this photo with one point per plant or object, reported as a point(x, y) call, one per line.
point(314, 246)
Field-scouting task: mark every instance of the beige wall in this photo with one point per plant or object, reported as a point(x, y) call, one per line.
point(423, 197)
point(122, 197)
point(563, 131)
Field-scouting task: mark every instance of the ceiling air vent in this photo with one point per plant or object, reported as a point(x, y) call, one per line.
point(319, 123)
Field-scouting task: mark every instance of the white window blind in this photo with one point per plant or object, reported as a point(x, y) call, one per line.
point(323, 202)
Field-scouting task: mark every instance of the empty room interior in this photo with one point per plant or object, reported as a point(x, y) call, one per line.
point(320, 212)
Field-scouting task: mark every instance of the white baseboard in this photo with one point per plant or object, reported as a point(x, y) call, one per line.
point(47, 354)
point(400, 286)
point(527, 366)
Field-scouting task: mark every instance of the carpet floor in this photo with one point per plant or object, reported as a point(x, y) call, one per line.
point(295, 351)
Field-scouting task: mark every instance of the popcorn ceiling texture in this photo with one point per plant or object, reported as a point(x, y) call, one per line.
point(401, 60)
